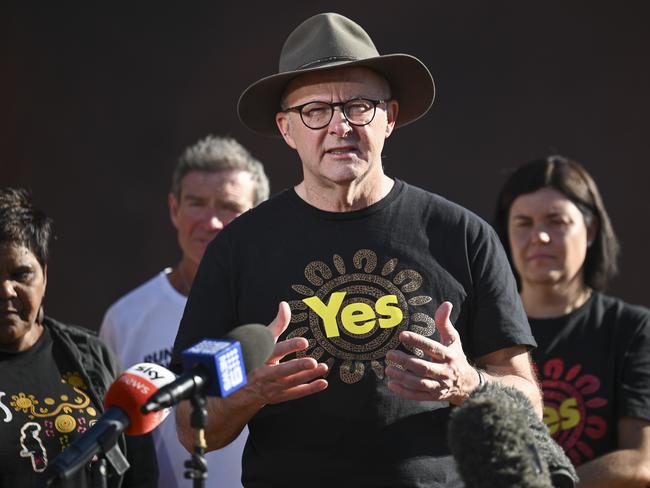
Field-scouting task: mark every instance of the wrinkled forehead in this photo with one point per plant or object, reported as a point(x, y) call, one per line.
point(17, 253)
point(360, 80)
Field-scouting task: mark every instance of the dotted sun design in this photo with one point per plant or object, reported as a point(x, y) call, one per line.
point(352, 317)
point(569, 401)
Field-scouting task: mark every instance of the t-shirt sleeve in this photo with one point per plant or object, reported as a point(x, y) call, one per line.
point(110, 360)
point(635, 376)
point(107, 331)
point(210, 311)
point(498, 318)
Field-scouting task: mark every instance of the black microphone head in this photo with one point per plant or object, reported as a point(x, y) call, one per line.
point(562, 471)
point(257, 344)
point(492, 441)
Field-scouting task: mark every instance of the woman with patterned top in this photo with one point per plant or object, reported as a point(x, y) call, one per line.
point(53, 376)
point(593, 352)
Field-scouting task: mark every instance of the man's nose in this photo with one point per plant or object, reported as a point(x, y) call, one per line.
point(214, 222)
point(339, 125)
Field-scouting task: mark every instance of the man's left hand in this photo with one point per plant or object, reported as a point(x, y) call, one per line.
point(444, 374)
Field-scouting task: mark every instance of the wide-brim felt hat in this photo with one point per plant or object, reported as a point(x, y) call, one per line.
point(330, 41)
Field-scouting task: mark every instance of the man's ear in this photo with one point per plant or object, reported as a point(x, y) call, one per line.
point(392, 109)
point(173, 208)
point(284, 125)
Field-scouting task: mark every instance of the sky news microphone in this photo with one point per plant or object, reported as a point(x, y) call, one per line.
point(122, 405)
point(216, 367)
point(497, 439)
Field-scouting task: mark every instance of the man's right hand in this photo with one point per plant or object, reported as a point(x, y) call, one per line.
point(276, 382)
point(273, 382)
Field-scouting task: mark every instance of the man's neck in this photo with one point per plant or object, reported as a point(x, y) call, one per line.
point(344, 197)
point(182, 276)
point(554, 300)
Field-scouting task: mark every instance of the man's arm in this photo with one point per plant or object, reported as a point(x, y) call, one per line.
point(628, 466)
point(273, 382)
point(512, 366)
point(446, 373)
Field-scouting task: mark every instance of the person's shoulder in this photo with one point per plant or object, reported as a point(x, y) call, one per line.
point(269, 207)
point(444, 210)
point(71, 330)
point(95, 357)
point(627, 312)
point(263, 216)
point(78, 337)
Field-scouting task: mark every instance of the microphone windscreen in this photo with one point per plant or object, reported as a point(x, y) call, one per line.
point(256, 343)
point(132, 389)
point(491, 439)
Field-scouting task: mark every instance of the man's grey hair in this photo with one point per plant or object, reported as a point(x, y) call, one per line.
point(217, 153)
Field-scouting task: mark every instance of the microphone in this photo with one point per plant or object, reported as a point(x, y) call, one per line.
point(216, 367)
point(497, 440)
point(122, 414)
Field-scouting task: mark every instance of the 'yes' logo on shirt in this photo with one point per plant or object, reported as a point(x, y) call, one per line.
point(355, 316)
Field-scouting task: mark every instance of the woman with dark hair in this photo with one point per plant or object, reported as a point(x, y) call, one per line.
point(53, 376)
point(593, 353)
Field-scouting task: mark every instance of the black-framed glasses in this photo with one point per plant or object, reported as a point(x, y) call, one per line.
point(357, 111)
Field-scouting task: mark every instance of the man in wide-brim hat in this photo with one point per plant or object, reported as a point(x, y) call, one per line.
point(369, 272)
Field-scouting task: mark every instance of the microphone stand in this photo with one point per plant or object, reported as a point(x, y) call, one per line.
point(197, 466)
point(99, 473)
point(108, 455)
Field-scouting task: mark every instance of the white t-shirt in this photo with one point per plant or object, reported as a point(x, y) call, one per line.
point(141, 327)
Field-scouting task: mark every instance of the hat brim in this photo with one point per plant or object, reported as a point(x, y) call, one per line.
point(410, 81)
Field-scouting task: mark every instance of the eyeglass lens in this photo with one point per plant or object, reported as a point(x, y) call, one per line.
point(317, 115)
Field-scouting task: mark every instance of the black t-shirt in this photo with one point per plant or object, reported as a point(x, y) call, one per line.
point(594, 364)
point(44, 406)
point(354, 280)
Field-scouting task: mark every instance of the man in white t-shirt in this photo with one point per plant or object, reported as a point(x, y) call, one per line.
point(215, 181)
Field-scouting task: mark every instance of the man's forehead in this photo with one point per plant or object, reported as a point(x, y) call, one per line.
point(197, 181)
point(365, 78)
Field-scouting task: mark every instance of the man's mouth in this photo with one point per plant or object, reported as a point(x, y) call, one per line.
point(342, 150)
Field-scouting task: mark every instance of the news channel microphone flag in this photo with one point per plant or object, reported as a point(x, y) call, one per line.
point(226, 361)
point(122, 414)
point(216, 367)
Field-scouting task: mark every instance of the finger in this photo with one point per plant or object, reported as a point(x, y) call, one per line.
point(302, 377)
point(419, 366)
point(412, 381)
point(273, 372)
point(283, 348)
point(288, 380)
point(402, 391)
point(446, 330)
point(431, 348)
point(301, 391)
point(281, 320)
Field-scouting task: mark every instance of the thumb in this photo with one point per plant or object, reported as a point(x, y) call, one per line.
point(445, 328)
point(281, 320)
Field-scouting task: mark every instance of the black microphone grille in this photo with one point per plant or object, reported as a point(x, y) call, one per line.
point(256, 343)
point(493, 443)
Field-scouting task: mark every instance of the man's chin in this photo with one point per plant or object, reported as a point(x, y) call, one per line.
point(197, 251)
point(349, 173)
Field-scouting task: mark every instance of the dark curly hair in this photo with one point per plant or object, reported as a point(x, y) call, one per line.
point(23, 224)
point(573, 181)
